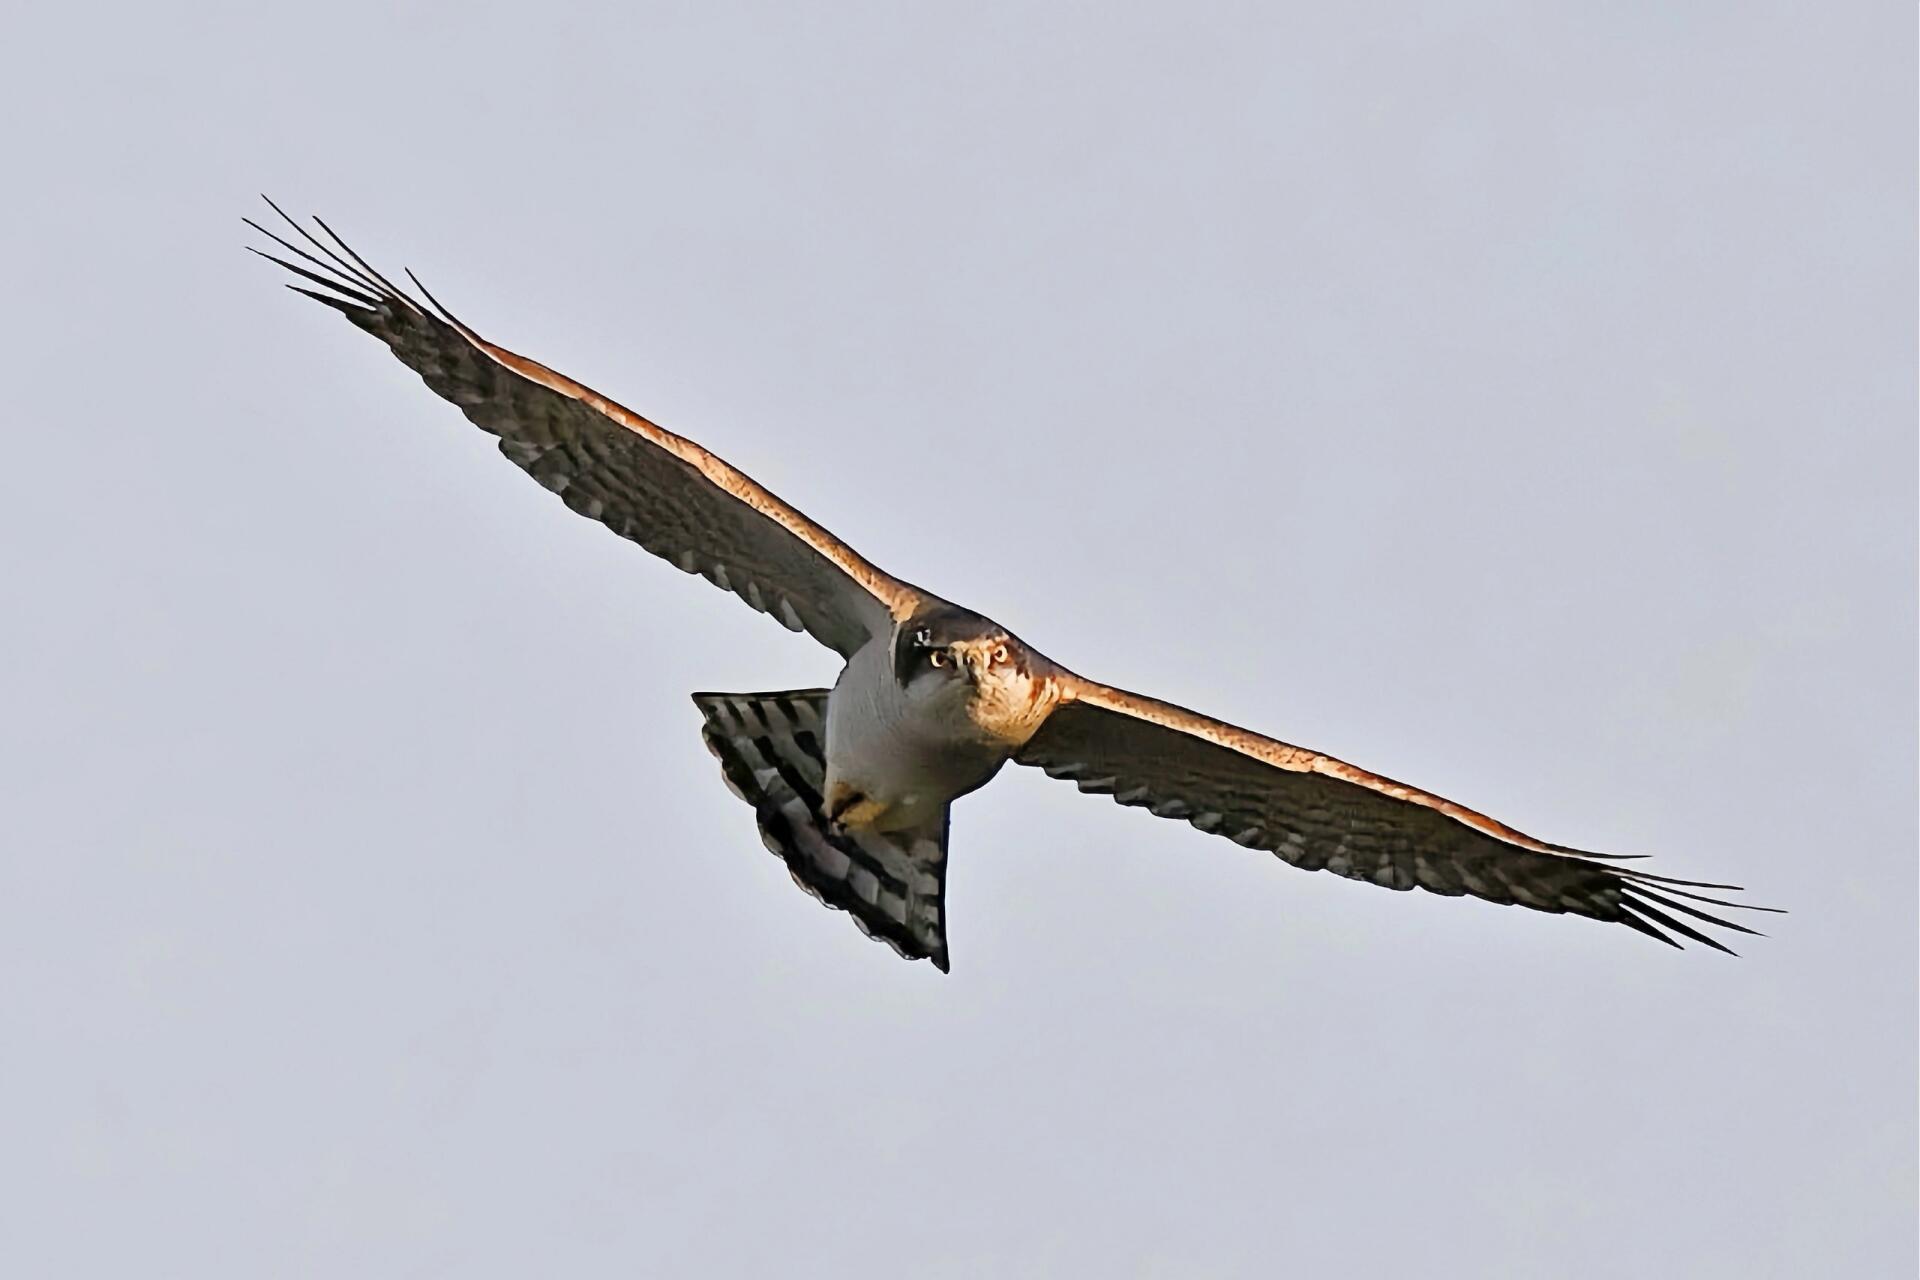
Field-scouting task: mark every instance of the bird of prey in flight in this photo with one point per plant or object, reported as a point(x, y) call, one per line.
point(853, 786)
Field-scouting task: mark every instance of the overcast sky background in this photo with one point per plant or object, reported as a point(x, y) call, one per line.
point(1517, 399)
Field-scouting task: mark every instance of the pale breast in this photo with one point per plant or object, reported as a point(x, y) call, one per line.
point(912, 755)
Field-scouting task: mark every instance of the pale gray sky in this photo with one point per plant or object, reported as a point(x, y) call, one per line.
point(1514, 398)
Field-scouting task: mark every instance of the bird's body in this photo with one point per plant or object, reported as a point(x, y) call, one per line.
point(853, 786)
point(895, 761)
point(906, 738)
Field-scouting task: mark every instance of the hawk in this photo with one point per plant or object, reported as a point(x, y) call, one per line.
point(853, 786)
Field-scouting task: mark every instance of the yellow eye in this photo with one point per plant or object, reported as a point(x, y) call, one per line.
point(938, 658)
point(1000, 654)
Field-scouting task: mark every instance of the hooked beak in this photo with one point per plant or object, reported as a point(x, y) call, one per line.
point(969, 661)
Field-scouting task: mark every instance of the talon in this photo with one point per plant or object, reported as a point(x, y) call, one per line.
point(848, 806)
point(840, 799)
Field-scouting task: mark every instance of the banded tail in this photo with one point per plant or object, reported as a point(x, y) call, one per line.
point(772, 749)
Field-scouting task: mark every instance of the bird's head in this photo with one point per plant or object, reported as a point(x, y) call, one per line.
point(951, 652)
point(951, 646)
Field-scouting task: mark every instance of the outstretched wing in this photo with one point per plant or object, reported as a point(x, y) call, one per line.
point(1325, 814)
point(893, 884)
point(643, 482)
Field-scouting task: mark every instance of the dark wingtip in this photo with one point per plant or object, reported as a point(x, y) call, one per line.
point(1637, 874)
point(440, 307)
point(1638, 906)
point(369, 280)
point(399, 294)
point(1635, 922)
point(1696, 913)
point(366, 301)
point(345, 308)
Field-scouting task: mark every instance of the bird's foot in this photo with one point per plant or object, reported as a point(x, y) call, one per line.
point(849, 807)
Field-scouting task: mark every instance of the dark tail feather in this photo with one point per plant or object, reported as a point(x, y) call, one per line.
point(772, 749)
